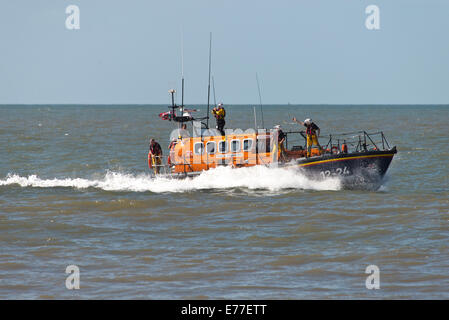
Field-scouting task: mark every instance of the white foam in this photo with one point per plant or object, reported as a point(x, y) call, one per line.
point(258, 177)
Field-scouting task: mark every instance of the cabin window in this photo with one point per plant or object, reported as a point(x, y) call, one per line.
point(222, 147)
point(263, 145)
point(211, 147)
point(247, 144)
point(198, 148)
point(235, 145)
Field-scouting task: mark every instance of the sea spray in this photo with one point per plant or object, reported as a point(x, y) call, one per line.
point(252, 178)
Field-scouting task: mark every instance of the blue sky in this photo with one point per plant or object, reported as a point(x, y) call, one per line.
point(305, 52)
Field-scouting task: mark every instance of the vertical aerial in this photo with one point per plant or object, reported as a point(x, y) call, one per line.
point(213, 87)
point(208, 86)
point(260, 100)
point(182, 71)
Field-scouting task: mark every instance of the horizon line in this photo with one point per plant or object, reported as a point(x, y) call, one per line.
point(229, 104)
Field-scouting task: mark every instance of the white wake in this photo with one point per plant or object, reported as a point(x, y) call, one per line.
point(258, 177)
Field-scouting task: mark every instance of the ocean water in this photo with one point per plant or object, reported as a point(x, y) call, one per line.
point(75, 190)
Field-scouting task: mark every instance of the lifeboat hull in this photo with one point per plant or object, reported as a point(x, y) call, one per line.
point(356, 170)
point(363, 170)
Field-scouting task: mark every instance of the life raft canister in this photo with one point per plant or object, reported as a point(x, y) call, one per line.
point(315, 152)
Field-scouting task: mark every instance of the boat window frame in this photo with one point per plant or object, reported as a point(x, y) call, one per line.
point(251, 147)
point(194, 149)
point(262, 143)
point(215, 147)
point(240, 145)
point(226, 147)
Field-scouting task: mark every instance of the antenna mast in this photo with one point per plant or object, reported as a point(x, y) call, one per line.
point(208, 86)
point(255, 119)
point(213, 87)
point(260, 100)
point(182, 71)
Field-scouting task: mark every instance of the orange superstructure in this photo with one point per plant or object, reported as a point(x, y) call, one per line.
point(238, 150)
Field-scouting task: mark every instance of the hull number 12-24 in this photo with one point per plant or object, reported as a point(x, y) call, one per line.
point(336, 172)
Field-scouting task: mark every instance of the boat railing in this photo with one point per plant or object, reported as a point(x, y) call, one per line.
point(359, 141)
point(348, 142)
point(167, 164)
point(162, 168)
point(289, 133)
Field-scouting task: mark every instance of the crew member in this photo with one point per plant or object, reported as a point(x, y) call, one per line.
point(182, 132)
point(156, 155)
point(281, 140)
point(220, 113)
point(312, 132)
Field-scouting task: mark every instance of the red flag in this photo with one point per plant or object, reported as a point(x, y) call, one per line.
point(166, 115)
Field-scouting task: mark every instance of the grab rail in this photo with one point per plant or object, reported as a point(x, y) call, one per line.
point(357, 140)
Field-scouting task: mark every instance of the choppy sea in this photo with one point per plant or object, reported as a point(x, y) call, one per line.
point(75, 189)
